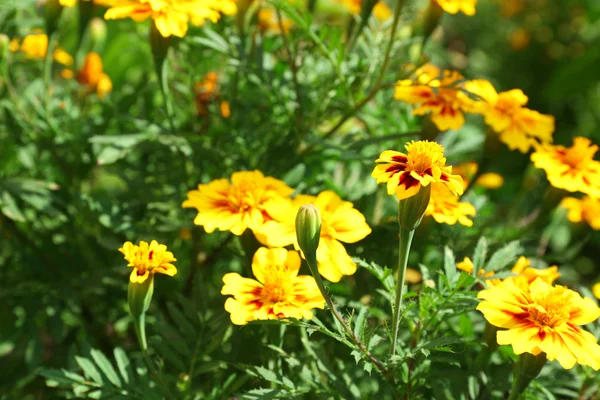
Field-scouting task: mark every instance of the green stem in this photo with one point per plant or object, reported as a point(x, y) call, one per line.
point(48, 75)
point(140, 330)
point(312, 265)
point(404, 243)
point(162, 71)
point(525, 370)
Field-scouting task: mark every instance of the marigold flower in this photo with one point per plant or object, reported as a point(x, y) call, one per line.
point(467, 265)
point(437, 92)
point(268, 21)
point(518, 127)
point(423, 163)
point(445, 207)
point(93, 76)
point(573, 169)
point(454, 6)
point(381, 11)
point(586, 209)
point(525, 273)
point(279, 292)
point(541, 318)
point(596, 290)
point(340, 222)
point(147, 259)
point(490, 180)
point(236, 205)
point(171, 16)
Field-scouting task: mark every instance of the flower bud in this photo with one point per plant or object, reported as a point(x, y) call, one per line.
point(53, 12)
point(308, 230)
point(98, 32)
point(526, 370)
point(4, 45)
point(139, 296)
point(412, 209)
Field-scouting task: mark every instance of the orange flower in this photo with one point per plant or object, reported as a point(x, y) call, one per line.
point(93, 76)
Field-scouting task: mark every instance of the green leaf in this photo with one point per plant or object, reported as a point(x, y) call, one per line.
point(449, 265)
point(507, 255)
point(89, 369)
point(479, 255)
point(122, 363)
point(106, 367)
point(359, 324)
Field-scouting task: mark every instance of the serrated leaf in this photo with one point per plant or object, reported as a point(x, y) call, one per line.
point(359, 323)
point(480, 254)
point(449, 265)
point(504, 257)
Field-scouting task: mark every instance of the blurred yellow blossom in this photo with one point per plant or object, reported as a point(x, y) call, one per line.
point(381, 11)
point(171, 16)
point(340, 222)
point(539, 317)
point(147, 259)
point(490, 180)
point(573, 169)
point(445, 207)
point(413, 276)
point(518, 127)
point(519, 39)
point(278, 291)
point(35, 45)
point(423, 163)
point(268, 21)
point(467, 265)
point(596, 290)
point(525, 273)
point(225, 109)
point(586, 209)
point(437, 92)
point(454, 6)
point(92, 75)
point(237, 204)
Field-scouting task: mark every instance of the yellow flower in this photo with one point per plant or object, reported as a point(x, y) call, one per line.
point(413, 276)
point(586, 209)
point(225, 109)
point(541, 318)
point(269, 22)
point(573, 169)
point(93, 76)
point(596, 290)
point(467, 266)
point(340, 222)
point(423, 164)
point(445, 207)
point(62, 57)
point(490, 180)
point(172, 16)
point(236, 205)
point(278, 292)
point(523, 268)
point(438, 93)
point(455, 6)
point(148, 259)
point(35, 45)
point(71, 3)
point(518, 127)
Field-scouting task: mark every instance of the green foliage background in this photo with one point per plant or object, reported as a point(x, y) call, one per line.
point(80, 176)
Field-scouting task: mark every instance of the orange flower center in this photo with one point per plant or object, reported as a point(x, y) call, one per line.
point(423, 155)
point(551, 317)
point(274, 293)
point(581, 152)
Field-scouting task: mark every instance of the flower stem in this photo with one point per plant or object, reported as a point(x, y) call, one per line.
point(404, 243)
point(312, 265)
point(525, 370)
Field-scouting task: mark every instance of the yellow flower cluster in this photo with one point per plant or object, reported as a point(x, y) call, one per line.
point(171, 16)
point(521, 269)
point(586, 209)
point(265, 206)
point(148, 259)
point(35, 46)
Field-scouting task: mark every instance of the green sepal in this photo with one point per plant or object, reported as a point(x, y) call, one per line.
point(412, 209)
point(139, 296)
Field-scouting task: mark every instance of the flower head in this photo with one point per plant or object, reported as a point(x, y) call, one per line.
point(467, 265)
point(148, 259)
point(586, 209)
point(236, 205)
point(437, 92)
point(455, 6)
point(423, 163)
point(171, 16)
point(92, 75)
point(525, 273)
point(445, 207)
point(573, 169)
point(381, 11)
point(340, 222)
point(541, 318)
point(278, 292)
point(518, 127)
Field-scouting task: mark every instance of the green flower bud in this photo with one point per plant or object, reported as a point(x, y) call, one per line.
point(98, 33)
point(139, 296)
point(308, 230)
point(524, 371)
point(53, 12)
point(412, 209)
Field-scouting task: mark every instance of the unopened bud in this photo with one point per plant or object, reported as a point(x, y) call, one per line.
point(412, 209)
point(98, 32)
point(139, 296)
point(4, 44)
point(308, 230)
point(53, 11)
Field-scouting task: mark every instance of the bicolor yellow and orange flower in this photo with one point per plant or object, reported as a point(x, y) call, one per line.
point(525, 273)
point(445, 207)
point(92, 75)
point(235, 205)
point(541, 318)
point(278, 291)
point(586, 209)
point(467, 265)
point(340, 223)
point(455, 6)
point(437, 93)
point(573, 169)
point(148, 259)
point(517, 126)
point(171, 17)
point(422, 164)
